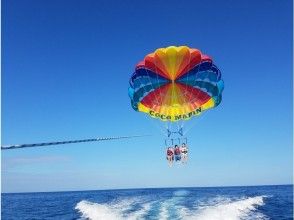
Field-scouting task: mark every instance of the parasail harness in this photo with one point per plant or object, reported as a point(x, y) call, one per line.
point(175, 137)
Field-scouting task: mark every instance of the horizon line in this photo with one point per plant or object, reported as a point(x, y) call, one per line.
point(175, 187)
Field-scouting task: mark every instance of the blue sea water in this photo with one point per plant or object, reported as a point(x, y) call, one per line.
point(211, 203)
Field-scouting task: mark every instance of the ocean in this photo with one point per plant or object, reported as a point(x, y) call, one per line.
point(203, 203)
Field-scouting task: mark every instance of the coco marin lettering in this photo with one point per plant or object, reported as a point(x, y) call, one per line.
point(176, 117)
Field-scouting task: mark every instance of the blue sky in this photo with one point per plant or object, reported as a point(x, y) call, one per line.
point(65, 72)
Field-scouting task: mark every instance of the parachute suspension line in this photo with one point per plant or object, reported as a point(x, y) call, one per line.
point(184, 98)
point(160, 103)
point(158, 100)
point(203, 113)
point(148, 77)
point(153, 89)
point(9, 147)
point(191, 99)
point(178, 127)
point(155, 122)
point(192, 124)
point(161, 98)
point(186, 94)
point(179, 100)
point(174, 128)
point(167, 127)
point(181, 126)
point(194, 98)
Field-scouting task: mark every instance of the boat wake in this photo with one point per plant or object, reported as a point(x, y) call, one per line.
point(125, 209)
point(227, 209)
point(175, 207)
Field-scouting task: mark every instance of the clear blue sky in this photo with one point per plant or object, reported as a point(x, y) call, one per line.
point(65, 72)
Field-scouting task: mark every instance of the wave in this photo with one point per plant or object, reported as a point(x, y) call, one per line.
point(218, 208)
point(119, 210)
point(168, 207)
point(227, 209)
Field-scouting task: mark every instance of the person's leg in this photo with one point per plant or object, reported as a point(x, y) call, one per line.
point(170, 161)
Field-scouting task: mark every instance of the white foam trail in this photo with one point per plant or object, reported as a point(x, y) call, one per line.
point(227, 210)
point(169, 206)
point(140, 213)
point(96, 211)
point(163, 212)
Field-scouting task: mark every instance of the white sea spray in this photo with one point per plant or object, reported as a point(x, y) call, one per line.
point(226, 209)
point(109, 211)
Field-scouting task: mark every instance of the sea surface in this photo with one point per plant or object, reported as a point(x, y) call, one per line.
point(211, 203)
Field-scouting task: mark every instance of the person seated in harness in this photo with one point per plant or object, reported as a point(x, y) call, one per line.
point(170, 154)
point(184, 152)
point(177, 153)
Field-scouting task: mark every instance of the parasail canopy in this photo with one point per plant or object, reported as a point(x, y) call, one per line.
point(175, 83)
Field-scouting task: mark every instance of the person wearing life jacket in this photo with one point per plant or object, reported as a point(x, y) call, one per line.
point(170, 155)
point(177, 153)
point(184, 152)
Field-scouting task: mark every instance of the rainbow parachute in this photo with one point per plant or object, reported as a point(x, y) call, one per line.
point(175, 83)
